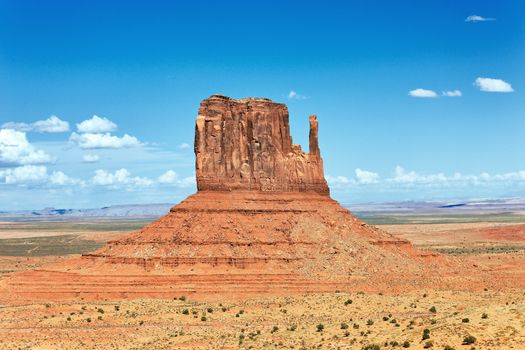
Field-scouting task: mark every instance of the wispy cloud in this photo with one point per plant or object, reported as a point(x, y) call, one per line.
point(37, 174)
point(292, 95)
point(184, 146)
point(493, 85)
point(366, 177)
point(403, 178)
point(476, 18)
point(121, 177)
point(170, 177)
point(90, 158)
point(452, 93)
point(94, 141)
point(52, 124)
point(422, 93)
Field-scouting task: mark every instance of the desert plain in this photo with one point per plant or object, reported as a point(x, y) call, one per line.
point(471, 317)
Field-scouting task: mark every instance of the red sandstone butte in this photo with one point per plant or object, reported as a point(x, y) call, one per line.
point(245, 144)
point(262, 221)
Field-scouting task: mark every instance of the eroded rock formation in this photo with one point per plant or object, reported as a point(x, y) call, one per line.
point(261, 222)
point(245, 144)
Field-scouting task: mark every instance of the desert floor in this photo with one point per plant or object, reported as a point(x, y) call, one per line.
point(336, 320)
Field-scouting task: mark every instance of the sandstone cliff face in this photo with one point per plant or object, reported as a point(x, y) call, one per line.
point(245, 144)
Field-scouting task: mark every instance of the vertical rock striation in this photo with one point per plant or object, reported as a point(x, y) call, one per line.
point(245, 144)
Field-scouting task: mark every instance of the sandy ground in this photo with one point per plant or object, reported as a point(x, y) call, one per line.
point(325, 321)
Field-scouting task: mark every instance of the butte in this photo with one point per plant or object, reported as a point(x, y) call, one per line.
point(262, 221)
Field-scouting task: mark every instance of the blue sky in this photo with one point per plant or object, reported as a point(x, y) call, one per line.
point(363, 67)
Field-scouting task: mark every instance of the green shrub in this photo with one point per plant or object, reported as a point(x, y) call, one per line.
point(185, 312)
point(182, 298)
point(433, 309)
point(369, 322)
point(406, 344)
point(101, 310)
point(465, 320)
point(210, 310)
point(448, 347)
point(344, 326)
point(371, 347)
point(348, 302)
point(320, 327)
point(469, 339)
point(484, 315)
point(426, 334)
point(203, 318)
point(428, 344)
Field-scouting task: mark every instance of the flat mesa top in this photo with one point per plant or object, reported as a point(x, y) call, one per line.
point(242, 100)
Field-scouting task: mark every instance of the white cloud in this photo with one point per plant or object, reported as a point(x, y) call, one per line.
point(338, 180)
point(96, 140)
point(184, 146)
point(405, 179)
point(24, 174)
point(422, 93)
point(476, 18)
point(366, 177)
point(188, 181)
point(96, 125)
point(61, 179)
point(452, 93)
point(33, 174)
point(170, 177)
point(493, 85)
point(90, 158)
point(16, 149)
point(121, 177)
point(411, 177)
point(24, 127)
point(292, 95)
point(52, 124)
